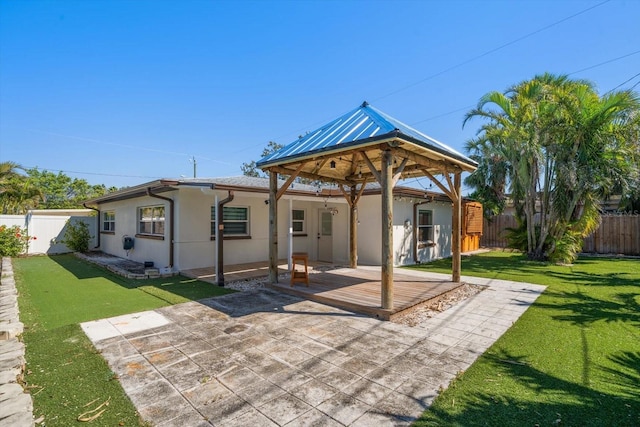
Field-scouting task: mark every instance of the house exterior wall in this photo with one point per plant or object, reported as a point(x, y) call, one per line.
point(370, 231)
point(194, 246)
point(442, 232)
point(126, 224)
point(196, 249)
point(308, 241)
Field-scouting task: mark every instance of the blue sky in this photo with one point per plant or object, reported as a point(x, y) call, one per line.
point(122, 92)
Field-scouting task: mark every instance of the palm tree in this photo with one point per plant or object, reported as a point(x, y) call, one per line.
point(557, 146)
point(17, 194)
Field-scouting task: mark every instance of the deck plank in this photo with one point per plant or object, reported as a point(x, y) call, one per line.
point(357, 290)
point(360, 291)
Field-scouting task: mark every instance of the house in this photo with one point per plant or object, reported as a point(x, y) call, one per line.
point(173, 223)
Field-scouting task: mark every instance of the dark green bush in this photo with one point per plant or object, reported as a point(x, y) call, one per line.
point(77, 236)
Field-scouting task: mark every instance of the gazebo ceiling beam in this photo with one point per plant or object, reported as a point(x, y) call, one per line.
point(350, 162)
point(398, 172)
point(423, 161)
point(286, 185)
point(319, 165)
point(327, 178)
point(454, 193)
point(352, 197)
point(444, 189)
point(374, 171)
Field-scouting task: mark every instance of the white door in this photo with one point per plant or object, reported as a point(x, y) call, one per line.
point(325, 238)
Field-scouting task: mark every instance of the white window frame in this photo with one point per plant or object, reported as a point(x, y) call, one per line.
point(226, 222)
point(302, 222)
point(157, 218)
point(428, 227)
point(109, 221)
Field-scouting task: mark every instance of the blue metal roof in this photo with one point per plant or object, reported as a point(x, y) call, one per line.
point(360, 126)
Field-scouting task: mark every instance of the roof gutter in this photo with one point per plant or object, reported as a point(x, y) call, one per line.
point(171, 212)
point(220, 240)
point(97, 224)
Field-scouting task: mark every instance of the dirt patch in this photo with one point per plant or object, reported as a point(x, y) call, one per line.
point(438, 304)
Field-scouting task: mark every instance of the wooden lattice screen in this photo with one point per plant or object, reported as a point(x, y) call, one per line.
point(473, 218)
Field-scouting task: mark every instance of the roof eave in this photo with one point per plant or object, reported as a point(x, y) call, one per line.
point(323, 152)
point(133, 192)
point(463, 162)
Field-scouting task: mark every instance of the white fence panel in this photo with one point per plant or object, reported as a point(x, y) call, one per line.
point(48, 227)
point(11, 220)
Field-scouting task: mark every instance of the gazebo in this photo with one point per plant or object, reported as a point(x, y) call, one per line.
point(364, 146)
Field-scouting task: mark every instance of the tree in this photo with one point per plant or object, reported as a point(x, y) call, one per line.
point(17, 194)
point(250, 169)
point(21, 192)
point(63, 192)
point(557, 148)
point(630, 201)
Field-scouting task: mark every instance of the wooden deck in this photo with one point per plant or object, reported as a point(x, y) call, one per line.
point(359, 290)
point(237, 272)
point(356, 290)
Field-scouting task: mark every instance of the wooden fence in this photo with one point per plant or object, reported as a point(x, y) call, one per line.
point(617, 234)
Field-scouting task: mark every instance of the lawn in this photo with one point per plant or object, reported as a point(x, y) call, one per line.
point(572, 359)
point(64, 372)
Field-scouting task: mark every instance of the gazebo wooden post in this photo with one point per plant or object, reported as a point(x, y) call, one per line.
point(273, 227)
point(353, 229)
point(387, 229)
point(456, 229)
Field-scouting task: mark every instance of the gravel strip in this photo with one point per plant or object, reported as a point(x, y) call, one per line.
point(439, 304)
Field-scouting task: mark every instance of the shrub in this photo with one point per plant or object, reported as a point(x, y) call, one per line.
point(14, 241)
point(77, 236)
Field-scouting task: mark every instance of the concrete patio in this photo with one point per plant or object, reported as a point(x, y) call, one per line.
point(270, 359)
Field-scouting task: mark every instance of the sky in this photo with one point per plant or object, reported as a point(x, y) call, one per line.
point(123, 92)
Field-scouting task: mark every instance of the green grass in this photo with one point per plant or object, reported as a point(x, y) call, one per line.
point(64, 371)
point(572, 359)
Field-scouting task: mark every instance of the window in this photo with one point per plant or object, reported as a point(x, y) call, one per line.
point(235, 220)
point(109, 221)
point(151, 220)
point(298, 221)
point(425, 226)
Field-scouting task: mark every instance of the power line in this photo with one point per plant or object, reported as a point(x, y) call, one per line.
point(574, 72)
point(605, 62)
point(133, 147)
point(482, 55)
point(91, 173)
point(443, 114)
point(539, 30)
point(624, 82)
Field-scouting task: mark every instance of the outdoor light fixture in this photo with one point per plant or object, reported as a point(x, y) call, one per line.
point(332, 164)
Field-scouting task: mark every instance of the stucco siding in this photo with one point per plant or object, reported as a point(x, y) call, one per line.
point(193, 245)
point(126, 224)
point(370, 232)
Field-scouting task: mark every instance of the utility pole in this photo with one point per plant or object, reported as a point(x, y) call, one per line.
point(193, 159)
